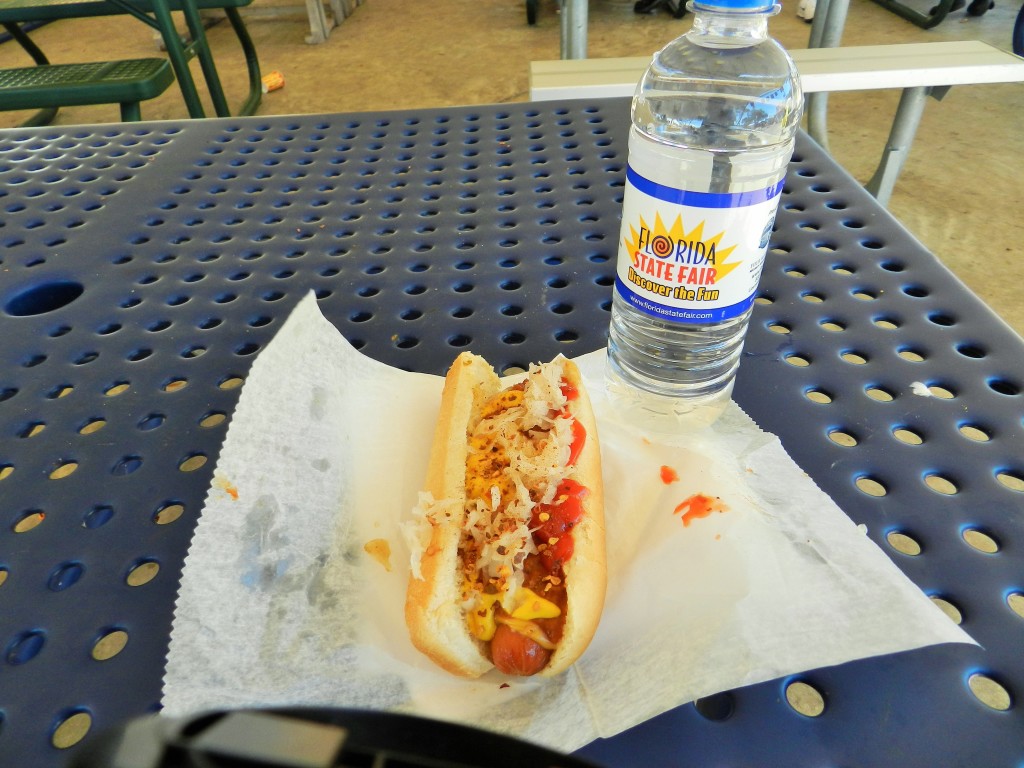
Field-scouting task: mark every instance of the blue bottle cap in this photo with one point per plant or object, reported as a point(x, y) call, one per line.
point(742, 6)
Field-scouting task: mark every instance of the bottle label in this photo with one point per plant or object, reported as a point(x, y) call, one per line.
point(692, 257)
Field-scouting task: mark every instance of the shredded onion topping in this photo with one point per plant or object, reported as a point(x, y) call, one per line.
point(518, 455)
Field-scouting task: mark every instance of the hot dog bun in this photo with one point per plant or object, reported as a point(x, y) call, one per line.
point(441, 590)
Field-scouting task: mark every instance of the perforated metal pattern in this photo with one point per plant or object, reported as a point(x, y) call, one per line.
point(64, 75)
point(142, 269)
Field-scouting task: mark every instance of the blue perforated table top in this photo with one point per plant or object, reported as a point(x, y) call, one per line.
point(142, 268)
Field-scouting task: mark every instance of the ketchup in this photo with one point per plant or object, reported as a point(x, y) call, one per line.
point(579, 438)
point(698, 505)
point(555, 522)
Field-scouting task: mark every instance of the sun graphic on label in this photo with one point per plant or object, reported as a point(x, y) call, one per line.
point(674, 244)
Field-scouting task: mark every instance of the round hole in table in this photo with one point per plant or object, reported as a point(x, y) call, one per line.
point(192, 463)
point(907, 435)
point(1011, 479)
point(843, 438)
point(886, 322)
point(151, 421)
point(109, 643)
point(29, 521)
point(168, 513)
point(65, 575)
point(941, 484)
point(980, 540)
point(880, 394)
point(212, 419)
point(903, 543)
point(975, 432)
point(70, 728)
point(989, 691)
point(24, 647)
point(870, 486)
point(32, 429)
point(61, 390)
point(820, 396)
point(973, 351)
point(949, 608)
point(142, 572)
point(97, 516)
point(64, 469)
point(1004, 387)
point(46, 297)
point(805, 699)
point(942, 318)
point(117, 388)
point(717, 707)
point(941, 391)
point(912, 355)
point(1015, 600)
point(126, 466)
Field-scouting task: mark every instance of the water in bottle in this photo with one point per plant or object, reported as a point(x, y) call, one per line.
point(714, 121)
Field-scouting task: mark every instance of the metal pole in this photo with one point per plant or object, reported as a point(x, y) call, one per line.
point(908, 116)
point(826, 32)
point(574, 29)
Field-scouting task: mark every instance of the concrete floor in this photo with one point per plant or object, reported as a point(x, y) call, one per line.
point(960, 192)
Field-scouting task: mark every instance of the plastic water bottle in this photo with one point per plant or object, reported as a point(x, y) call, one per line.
point(714, 121)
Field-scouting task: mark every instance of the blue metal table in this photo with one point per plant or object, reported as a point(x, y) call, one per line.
point(142, 268)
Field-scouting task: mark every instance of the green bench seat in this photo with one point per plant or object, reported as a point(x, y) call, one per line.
point(125, 82)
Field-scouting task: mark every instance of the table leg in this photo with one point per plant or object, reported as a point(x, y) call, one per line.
point(319, 29)
point(252, 63)
point(574, 29)
point(908, 117)
point(826, 32)
point(164, 24)
point(201, 49)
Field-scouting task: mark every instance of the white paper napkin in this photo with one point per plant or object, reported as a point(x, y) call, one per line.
point(285, 598)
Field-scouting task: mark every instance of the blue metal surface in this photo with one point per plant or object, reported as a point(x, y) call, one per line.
point(143, 267)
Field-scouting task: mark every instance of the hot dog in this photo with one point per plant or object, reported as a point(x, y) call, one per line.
point(508, 566)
